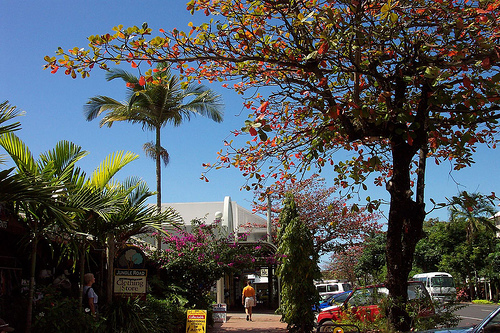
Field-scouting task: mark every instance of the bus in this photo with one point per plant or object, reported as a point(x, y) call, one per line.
point(440, 285)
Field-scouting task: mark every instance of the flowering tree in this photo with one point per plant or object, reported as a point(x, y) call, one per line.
point(391, 82)
point(343, 264)
point(334, 225)
point(194, 260)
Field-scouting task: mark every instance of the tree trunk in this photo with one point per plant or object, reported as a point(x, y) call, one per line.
point(110, 263)
point(82, 273)
point(31, 294)
point(158, 183)
point(406, 218)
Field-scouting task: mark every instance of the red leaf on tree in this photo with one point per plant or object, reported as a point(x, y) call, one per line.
point(323, 48)
point(134, 65)
point(486, 63)
point(142, 81)
point(253, 131)
point(410, 139)
point(322, 82)
point(467, 83)
point(263, 107)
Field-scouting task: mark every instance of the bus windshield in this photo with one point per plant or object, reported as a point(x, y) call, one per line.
point(442, 281)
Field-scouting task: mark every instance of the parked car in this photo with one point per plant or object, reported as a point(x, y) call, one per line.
point(364, 303)
point(332, 300)
point(332, 287)
point(490, 324)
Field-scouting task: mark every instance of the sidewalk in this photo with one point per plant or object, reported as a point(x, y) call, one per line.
point(261, 323)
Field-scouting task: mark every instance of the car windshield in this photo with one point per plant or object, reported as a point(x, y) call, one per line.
point(417, 291)
point(361, 297)
point(442, 281)
point(374, 295)
point(346, 286)
point(339, 298)
point(493, 324)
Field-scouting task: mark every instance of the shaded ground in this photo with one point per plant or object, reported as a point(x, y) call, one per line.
point(261, 323)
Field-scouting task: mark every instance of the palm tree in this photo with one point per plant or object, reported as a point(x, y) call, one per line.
point(130, 214)
point(49, 173)
point(475, 211)
point(156, 104)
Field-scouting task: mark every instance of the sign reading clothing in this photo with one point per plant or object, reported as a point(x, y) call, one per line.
point(130, 281)
point(196, 321)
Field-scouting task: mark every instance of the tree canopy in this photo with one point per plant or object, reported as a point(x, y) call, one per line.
point(392, 83)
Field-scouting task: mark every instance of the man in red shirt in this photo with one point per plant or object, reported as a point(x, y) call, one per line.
point(248, 300)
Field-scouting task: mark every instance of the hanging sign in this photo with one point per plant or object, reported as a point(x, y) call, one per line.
point(130, 281)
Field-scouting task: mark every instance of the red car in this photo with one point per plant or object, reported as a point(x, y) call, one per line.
point(364, 303)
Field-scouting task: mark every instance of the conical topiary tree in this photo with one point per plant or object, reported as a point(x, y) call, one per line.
point(297, 271)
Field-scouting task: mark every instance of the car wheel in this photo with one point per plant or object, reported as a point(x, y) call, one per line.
point(326, 326)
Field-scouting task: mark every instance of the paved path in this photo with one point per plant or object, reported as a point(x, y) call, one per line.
point(261, 323)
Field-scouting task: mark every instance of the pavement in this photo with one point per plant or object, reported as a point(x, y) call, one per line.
point(261, 323)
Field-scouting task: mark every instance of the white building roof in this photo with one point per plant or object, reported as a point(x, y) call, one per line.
point(235, 218)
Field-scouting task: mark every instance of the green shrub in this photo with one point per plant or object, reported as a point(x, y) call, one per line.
point(132, 315)
point(482, 301)
point(55, 313)
point(445, 316)
point(167, 316)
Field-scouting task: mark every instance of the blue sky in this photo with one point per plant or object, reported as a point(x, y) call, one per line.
point(54, 104)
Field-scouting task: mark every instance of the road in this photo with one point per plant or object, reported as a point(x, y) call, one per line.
point(474, 313)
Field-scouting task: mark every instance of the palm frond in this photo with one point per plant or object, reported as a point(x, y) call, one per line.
point(99, 104)
point(150, 151)
point(8, 112)
point(110, 166)
point(63, 157)
point(19, 153)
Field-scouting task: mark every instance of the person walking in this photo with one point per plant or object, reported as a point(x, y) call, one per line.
point(90, 298)
point(248, 300)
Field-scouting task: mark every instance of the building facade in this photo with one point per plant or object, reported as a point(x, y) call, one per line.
point(239, 221)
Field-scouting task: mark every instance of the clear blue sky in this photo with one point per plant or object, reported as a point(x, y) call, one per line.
point(53, 103)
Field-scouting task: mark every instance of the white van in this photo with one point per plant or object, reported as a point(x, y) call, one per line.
point(440, 285)
point(332, 287)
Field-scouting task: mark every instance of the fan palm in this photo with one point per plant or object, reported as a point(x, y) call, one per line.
point(156, 104)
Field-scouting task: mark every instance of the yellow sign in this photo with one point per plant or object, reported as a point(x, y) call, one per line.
point(196, 321)
point(338, 330)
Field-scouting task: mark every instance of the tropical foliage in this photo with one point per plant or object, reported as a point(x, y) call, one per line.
point(55, 201)
point(333, 224)
point(195, 259)
point(391, 82)
point(466, 245)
